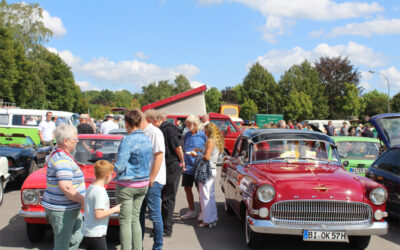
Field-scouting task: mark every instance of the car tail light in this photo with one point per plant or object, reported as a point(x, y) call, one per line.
point(11, 162)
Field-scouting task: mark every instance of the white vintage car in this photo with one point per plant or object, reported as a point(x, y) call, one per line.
point(4, 176)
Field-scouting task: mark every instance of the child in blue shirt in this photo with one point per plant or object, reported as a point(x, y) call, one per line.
point(97, 207)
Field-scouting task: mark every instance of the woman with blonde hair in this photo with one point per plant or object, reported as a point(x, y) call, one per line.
point(214, 146)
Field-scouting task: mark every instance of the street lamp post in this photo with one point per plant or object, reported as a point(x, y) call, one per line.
point(387, 80)
point(265, 96)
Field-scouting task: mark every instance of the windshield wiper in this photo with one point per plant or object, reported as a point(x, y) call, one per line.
point(282, 158)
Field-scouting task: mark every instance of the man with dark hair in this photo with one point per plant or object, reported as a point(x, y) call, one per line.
point(367, 132)
point(174, 160)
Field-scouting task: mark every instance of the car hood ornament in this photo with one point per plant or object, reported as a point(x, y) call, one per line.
point(322, 188)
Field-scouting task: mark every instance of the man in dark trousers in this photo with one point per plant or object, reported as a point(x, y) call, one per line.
point(174, 160)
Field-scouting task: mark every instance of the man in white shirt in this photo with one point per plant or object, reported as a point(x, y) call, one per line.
point(46, 130)
point(108, 125)
point(157, 177)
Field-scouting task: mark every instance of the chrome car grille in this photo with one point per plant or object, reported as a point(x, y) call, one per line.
point(111, 196)
point(321, 212)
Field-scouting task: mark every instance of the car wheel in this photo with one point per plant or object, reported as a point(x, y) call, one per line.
point(359, 242)
point(36, 232)
point(252, 238)
point(1, 191)
point(228, 209)
point(33, 167)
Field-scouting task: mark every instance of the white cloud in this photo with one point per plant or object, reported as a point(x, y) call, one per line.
point(316, 33)
point(141, 55)
point(277, 61)
point(365, 77)
point(196, 84)
point(85, 86)
point(134, 73)
point(280, 14)
point(378, 26)
point(55, 24)
point(393, 75)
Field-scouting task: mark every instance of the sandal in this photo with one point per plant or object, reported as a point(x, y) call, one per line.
point(209, 225)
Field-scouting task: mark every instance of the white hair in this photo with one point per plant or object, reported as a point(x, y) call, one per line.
point(64, 131)
point(195, 120)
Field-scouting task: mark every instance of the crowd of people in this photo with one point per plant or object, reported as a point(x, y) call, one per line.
point(345, 130)
point(151, 159)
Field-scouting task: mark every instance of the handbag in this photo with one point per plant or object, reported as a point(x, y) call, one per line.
point(202, 169)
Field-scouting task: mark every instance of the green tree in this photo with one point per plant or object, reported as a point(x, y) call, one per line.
point(259, 85)
point(334, 73)
point(8, 68)
point(375, 103)
point(122, 99)
point(299, 106)
point(248, 109)
point(350, 103)
point(182, 84)
point(213, 99)
point(229, 95)
point(304, 78)
point(60, 85)
point(396, 103)
point(25, 21)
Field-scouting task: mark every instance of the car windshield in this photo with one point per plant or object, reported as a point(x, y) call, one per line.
point(358, 150)
point(17, 141)
point(294, 150)
point(391, 128)
point(88, 151)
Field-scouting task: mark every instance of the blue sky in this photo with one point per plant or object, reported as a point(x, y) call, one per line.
point(128, 44)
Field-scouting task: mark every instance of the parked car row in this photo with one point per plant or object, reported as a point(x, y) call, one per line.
point(278, 181)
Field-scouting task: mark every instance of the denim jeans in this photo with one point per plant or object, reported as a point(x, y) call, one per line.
point(66, 228)
point(153, 202)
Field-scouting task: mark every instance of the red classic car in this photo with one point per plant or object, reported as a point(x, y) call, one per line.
point(292, 182)
point(89, 149)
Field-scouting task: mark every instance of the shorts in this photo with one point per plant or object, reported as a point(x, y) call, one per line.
point(187, 180)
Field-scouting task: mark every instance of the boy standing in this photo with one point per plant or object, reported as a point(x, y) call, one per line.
point(97, 207)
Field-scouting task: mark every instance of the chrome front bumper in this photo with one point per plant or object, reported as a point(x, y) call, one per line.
point(267, 227)
point(42, 215)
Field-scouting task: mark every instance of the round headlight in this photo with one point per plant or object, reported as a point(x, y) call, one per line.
point(266, 193)
point(29, 196)
point(378, 196)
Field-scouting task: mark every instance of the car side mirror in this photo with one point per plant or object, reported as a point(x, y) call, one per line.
point(228, 129)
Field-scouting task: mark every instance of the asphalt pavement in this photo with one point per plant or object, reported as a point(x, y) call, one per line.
point(229, 233)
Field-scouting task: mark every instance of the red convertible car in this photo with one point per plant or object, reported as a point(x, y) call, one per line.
point(292, 182)
point(89, 149)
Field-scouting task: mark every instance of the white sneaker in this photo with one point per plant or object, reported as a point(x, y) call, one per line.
point(190, 214)
point(200, 218)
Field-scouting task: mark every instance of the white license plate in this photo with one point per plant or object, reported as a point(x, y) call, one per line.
point(309, 235)
point(358, 170)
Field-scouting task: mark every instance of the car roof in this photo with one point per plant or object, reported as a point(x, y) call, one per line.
point(354, 138)
point(258, 135)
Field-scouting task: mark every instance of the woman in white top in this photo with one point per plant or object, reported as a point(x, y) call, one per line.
point(214, 146)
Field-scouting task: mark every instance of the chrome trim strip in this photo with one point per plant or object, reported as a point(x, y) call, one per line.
point(15, 169)
point(268, 227)
point(42, 215)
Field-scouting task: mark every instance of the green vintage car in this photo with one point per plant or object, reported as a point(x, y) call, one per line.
point(357, 153)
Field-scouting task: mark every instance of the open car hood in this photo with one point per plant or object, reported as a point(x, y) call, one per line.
point(388, 128)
